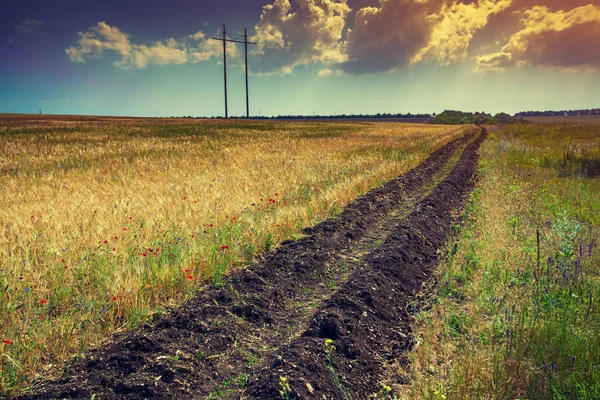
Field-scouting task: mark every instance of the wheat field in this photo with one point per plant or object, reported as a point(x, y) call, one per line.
point(104, 223)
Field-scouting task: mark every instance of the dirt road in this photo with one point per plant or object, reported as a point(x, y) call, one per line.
point(329, 313)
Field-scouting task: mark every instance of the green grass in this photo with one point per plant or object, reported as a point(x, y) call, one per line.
point(516, 301)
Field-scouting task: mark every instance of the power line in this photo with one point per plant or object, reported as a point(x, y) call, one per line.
point(226, 39)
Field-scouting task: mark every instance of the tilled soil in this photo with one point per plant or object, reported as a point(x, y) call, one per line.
point(350, 280)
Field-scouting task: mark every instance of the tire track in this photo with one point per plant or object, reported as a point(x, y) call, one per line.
point(365, 326)
point(211, 345)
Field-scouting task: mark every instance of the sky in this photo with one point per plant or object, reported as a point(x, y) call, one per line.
point(158, 58)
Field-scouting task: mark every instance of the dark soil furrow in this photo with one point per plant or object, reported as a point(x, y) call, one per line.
point(357, 332)
point(385, 226)
point(207, 348)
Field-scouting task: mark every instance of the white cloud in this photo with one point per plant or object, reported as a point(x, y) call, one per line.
point(104, 38)
point(566, 40)
point(308, 32)
point(325, 72)
point(494, 62)
point(97, 40)
point(457, 24)
point(198, 35)
point(160, 54)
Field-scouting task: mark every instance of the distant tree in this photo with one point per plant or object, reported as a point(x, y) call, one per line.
point(451, 117)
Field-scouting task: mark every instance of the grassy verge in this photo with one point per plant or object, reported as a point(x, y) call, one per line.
point(103, 225)
point(515, 307)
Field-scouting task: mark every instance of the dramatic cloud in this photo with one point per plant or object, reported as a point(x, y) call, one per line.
point(398, 33)
point(389, 36)
point(310, 32)
point(503, 25)
point(553, 5)
point(404, 32)
point(395, 34)
point(104, 38)
point(457, 24)
point(563, 39)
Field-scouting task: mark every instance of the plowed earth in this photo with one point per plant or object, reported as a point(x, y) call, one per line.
point(351, 279)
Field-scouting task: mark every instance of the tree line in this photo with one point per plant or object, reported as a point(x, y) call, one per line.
point(450, 117)
point(563, 113)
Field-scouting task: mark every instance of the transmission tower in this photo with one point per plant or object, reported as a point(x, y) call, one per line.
point(225, 39)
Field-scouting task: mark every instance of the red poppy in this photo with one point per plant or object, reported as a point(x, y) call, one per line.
point(6, 341)
point(157, 250)
point(186, 271)
point(190, 277)
point(66, 267)
point(114, 298)
point(41, 317)
point(224, 247)
point(106, 241)
point(114, 249)
point(276, 194)
point(116, 237)
point(43, 301)
point(124, 229)
point(144, 254)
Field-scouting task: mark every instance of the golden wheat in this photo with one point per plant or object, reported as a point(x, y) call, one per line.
point(104, 223)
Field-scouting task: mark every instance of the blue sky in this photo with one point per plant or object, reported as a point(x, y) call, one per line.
point(156, 58)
